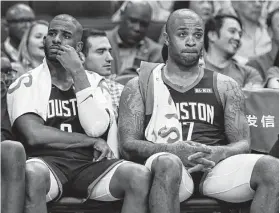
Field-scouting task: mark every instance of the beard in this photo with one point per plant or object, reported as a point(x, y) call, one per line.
point(50, 57)
point(186, 60)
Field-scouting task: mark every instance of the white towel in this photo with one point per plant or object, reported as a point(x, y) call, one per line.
point(164, 126)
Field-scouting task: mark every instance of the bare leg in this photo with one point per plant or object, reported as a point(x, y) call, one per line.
point(12, 177)
point(164, 195)
point(131, 181)
point(37, 186)
point(265, 180)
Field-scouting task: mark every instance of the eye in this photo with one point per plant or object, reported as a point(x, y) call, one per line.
point(231, 31)
point(198, 35)
point(67, 36)
point(100, 51)
point(51, 33)
point(182, 34)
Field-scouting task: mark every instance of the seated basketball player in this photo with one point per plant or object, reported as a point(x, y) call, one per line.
point(63, 115)
point(172, 110)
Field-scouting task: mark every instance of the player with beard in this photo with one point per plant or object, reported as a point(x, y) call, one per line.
point(65, 122)
point(222, 39)
point(185, 122)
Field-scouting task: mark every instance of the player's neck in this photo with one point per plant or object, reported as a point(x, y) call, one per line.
point(60, 77)
point(181, 75)
point(217, 58)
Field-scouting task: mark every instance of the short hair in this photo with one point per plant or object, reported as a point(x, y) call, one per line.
point(90, 33)
point(215, 24)
point(270, 16)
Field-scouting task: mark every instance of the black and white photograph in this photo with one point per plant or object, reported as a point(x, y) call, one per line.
point(140, 106)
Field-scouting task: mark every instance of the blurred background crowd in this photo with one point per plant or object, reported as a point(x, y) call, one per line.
point(241, 37)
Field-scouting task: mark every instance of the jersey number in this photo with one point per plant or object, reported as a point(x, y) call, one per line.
point(66, 127)
point(190, 129)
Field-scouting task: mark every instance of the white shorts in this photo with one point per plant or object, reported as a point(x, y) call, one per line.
point(100, 191)
point(229, 180)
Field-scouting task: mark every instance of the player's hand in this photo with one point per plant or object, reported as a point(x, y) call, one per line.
point(273, 83)
point(215, 156)
point(184, 149)
point(101, 146)
point(69, 59)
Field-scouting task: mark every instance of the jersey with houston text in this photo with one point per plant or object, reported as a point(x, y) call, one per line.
point(200, 111)
point(63, 115)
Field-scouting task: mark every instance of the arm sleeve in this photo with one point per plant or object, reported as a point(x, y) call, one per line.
point(93, 115)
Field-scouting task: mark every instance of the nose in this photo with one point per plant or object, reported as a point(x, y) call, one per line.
point(190, 41)
point(137, 27)
point(57, 39)
point(237, 36)
point(109, 57)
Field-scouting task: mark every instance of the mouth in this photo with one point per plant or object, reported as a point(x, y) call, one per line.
point(189, 51)
point(107, 66)
point(54, 48)
point(235, 44)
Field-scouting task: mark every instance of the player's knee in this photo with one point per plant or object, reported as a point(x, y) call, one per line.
point(13, 160)
point(13, 151)
point(267, 169)
point(37, 178)
point(168, 167)
point(138, 179)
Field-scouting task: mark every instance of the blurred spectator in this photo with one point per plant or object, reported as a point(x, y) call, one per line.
point(255, 39)
point(8, 75)
point(97, 51)
point(264, 62)
point(19, 18)
point(221, 41)
point(161, 10)
point(31, 48)
point(129, 43)
point(4, 30)
point(205, 9)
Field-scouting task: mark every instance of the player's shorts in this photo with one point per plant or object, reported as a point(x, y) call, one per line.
point(229, 180)
point(76, 178)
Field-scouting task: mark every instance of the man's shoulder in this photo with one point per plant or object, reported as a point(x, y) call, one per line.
point(153, 45)
point(243, 67)
point(225, 83)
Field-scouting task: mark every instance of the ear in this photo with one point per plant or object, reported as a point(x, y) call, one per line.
point(79, 46)
point(212, 36)
point(166, 38)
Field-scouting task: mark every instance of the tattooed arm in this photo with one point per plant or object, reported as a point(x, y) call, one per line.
point(133, 145)
point(131, 125)
point(236, 126)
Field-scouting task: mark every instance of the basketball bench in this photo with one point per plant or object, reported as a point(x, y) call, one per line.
point(198, 205)
point(258, 102)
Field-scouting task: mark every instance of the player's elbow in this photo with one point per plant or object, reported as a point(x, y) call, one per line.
point(32, 139)
point(98, 129)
